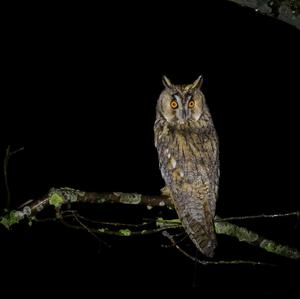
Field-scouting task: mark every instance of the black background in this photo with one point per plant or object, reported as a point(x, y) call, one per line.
point(80, 88)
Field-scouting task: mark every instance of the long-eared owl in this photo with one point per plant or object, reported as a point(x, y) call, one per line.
point(188, 151)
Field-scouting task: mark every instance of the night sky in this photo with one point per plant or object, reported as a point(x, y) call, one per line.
point(80, 89)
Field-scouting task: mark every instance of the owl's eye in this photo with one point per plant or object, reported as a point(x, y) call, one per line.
point(191, 104)
point(174, 104)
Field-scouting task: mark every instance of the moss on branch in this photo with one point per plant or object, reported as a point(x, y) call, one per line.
point(58, 197)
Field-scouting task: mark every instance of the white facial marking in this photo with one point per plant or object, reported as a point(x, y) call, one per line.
point(173, 163)
point(177, 98)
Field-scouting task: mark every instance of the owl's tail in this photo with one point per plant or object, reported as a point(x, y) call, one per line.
point(198, 221)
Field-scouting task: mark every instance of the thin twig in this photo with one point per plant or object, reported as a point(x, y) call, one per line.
point(297, 213)
point(113, 232)
point(203, 262)
point(116, 224)
point(16, 151)
point(8, 154)
point(5, 165)
point(69, 213)
point(92, 233)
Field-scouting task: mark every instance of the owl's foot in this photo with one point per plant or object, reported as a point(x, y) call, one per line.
point(165, 191)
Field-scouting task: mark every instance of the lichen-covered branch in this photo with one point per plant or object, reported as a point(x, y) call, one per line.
point(285, 10)
point(57, 197)
point(66, 196)
point(250, 237)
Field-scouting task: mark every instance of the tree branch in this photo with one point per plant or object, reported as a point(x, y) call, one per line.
point(285, 10)
point(61, 196)
point(250, 237)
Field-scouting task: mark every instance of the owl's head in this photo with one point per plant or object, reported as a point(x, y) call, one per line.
point(179, 104)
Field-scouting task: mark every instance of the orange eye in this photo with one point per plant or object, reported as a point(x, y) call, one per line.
point(191, 103)
point(174, 104)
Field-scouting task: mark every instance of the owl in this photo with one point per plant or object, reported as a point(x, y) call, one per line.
point(188, 151)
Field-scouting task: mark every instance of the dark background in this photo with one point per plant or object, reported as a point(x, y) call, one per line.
point(80, 88)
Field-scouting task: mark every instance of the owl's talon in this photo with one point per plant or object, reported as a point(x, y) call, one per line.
point(165, 191)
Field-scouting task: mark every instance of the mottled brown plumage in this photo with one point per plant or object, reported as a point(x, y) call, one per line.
point(187, 146)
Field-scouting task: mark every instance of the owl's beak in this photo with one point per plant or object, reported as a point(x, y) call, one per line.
point(182, 116)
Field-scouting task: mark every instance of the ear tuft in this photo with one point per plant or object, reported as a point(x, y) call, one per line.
point(197, 83)
point(166, 82)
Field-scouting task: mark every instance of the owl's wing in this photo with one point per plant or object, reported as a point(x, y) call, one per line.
point(197, 219)
point(189, 165)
